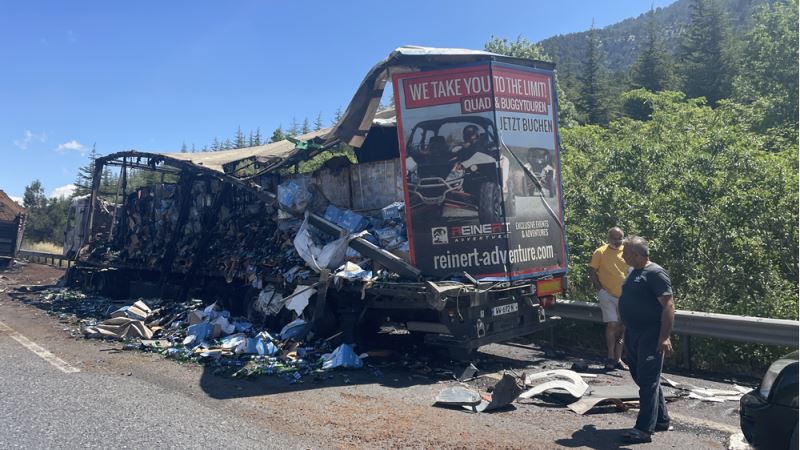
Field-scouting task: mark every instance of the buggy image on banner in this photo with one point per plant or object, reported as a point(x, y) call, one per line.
point(482, 184)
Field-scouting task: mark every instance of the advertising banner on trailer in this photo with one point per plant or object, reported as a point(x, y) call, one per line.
point(483, 186)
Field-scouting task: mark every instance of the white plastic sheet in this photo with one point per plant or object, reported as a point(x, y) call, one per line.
point(329, 256)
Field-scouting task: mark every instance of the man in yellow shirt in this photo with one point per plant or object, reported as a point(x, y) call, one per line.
point(607, 272)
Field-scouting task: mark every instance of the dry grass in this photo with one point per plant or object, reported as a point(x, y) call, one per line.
point(45, 247)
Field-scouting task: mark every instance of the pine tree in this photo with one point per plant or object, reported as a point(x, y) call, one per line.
point(653, 68)
point(83, 181)
point(593, 102)
point(306, 127)
point(278, 134)
point(706, 53)
point(337, 115)
point(238, 140)
point(216, 145)
point(183, 148)
point(294, 129)
point(318, 122)
point(257, 138)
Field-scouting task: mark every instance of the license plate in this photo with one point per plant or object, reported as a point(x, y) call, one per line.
point(505, 309)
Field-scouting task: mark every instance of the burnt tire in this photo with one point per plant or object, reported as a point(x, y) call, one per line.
point(490, 206)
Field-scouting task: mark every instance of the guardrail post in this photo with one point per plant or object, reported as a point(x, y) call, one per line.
point(686, 350)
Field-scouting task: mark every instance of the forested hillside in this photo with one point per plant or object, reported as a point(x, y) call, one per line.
point(692, 144)
point(624, 40)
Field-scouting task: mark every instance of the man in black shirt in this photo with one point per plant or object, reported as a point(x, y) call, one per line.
point(647, 309)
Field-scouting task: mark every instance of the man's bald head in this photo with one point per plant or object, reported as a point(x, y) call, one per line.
point(615, 237)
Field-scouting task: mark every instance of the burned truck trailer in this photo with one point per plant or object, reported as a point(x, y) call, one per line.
point(430, 216)
point(12, 227)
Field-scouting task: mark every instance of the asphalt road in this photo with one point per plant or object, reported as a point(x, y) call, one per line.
point(97, 397)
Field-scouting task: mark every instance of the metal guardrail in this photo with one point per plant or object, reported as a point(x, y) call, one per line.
point(53, 259)
point(757, 330)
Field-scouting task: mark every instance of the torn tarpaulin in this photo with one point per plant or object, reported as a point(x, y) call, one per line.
point(119, 328)
point(317, 256)
point(343, 356)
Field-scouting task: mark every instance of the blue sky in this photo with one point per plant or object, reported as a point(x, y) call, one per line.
point(150, 75)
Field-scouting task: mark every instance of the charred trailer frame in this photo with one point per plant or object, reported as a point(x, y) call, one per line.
point(207, 228)
point(12, 229)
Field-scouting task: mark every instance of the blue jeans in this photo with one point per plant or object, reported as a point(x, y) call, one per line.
point(645, 363)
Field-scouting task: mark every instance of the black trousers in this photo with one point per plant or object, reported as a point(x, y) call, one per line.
point(645, 361)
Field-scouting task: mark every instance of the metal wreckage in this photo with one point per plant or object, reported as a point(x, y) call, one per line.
point(286, 230)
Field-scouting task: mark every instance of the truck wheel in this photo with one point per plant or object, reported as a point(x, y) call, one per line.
point(490, 208)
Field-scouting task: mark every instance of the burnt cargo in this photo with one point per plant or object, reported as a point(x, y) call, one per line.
point(12, 228)
point(430, 217)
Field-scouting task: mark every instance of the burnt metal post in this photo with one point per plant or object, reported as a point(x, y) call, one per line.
point(93, 198)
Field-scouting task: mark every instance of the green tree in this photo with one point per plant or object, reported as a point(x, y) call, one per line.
point(216, 145)
point(238, 140)
point(294, 128)
point(257, 138)
point(337, 115)
point(278, 134)
point(306, 127)
point(46, 217)
point(523, 48)
point(719, 206)
point(34, 195)
point(593, 103)
point(769, 73)
point(184, 149)
point(318, 122)
point(653, 68)
point(83, 181)
point(706, 53)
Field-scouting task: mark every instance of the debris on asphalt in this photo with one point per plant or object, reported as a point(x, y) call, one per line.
point(504, 393)
point(706, 394)
point(469, 373)
point(600, 395)
point(458, 396)
point(565, 381)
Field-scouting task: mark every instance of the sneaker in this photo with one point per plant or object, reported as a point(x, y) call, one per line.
point(621, 365)
point(610, 364)
point(636, 436)
point(664, 426)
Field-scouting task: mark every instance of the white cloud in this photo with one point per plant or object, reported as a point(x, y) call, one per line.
point(63, 191)
point(16, 199)
point(29, 138)
point(72, 145)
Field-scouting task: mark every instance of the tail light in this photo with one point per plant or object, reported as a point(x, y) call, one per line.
point(547, 301)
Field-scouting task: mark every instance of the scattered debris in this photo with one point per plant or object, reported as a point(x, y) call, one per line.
point(504, 393)
point(469, 373)
point(568, 381)
point(706, 394)
point(458, 396)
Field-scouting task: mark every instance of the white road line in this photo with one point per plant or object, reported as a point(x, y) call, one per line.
point(40, 351)
point(725, 428)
